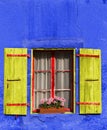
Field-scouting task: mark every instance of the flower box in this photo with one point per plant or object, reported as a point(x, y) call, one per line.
point(52, 110)
point(52, 105)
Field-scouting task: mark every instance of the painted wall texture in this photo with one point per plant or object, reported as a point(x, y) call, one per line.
point(54, 24)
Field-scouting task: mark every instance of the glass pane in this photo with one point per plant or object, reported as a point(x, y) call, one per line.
point(42, 76)
point(63, 76)
point(42, 60)
point(63, 80)
point(63, 60)
point(42, 81)
point(39, 96)
point(67, 96)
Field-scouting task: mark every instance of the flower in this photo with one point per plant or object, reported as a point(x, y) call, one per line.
point(60, 98)
point(56, 102)
point(62, 104)
point(42, 101)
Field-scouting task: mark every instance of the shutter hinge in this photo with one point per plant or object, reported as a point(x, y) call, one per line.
point(88, 103)
point(87, 55)
point(18, 104)
point(18, 55)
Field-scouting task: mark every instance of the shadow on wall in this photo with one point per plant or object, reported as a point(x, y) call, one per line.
point(104, 1)
point(87, 1)
point(52, 43)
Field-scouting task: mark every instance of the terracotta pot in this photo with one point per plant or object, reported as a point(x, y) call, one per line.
point(52, 110)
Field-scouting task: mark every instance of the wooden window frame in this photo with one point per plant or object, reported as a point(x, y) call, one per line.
point(53, 60)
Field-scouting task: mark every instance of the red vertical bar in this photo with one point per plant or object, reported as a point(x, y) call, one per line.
point(33, 94)
point(72, 87)
point(52, 74)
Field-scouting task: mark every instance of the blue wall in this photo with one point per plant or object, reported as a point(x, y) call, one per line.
point(47, 24)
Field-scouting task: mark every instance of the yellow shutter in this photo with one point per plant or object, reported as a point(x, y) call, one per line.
point(90, 81)
point(15, 81)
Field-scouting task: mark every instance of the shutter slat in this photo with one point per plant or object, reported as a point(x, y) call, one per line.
point(90, 81)
point(15, 81)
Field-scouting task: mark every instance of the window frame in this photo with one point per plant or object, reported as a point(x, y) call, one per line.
point(35, 111)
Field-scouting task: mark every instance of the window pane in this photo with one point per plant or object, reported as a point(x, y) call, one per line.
point(63, 80)
point(67, 96)
point(63, 75)
point(42, 81)
point(42, 60)
point(39, 95)
point(63, 60)
point(42, 76)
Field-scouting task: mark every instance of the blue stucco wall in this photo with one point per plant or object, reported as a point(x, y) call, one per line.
point(47, 24)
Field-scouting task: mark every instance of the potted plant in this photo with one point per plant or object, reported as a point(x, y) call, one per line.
point(52, 105)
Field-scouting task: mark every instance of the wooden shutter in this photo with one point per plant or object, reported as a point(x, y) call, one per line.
point(15, 81)
point(90, 81)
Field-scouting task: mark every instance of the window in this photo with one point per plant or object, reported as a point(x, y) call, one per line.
point(53, 75)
